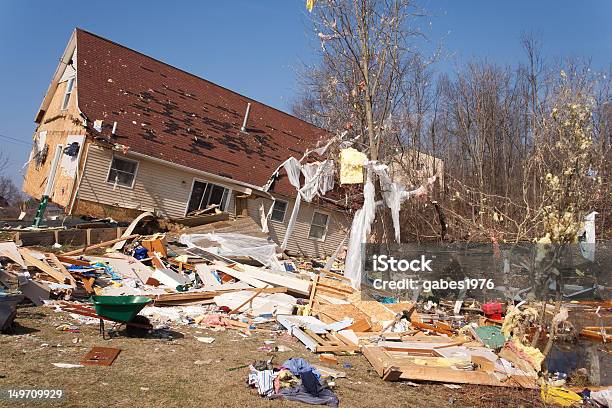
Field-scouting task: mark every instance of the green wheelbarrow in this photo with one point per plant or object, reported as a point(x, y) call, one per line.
point(118, 309)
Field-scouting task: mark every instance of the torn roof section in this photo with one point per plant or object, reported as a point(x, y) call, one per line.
point(169, 114)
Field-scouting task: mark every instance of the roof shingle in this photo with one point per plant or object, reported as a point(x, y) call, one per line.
point(164, 112)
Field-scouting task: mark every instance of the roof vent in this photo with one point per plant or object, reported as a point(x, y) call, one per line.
point(246, 118)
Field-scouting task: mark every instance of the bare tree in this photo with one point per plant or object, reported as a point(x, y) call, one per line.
point(9, 193)
point(367, 56)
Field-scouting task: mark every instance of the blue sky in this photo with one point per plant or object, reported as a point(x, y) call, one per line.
point(256, 47)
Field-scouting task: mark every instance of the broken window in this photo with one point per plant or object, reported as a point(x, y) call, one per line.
point(278, 211)
point(122, 172)
point(69, 87)
point(318, 226)
point(203, 195)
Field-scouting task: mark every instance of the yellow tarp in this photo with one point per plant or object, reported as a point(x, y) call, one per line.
point(351, 166)
point(560, 396)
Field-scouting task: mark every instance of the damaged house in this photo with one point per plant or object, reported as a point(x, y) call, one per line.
point(119, 133)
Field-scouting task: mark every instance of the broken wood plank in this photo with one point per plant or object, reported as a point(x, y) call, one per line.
point(73, 261)
point(96, 246)
point(240, 275)
point(392, 368)
point(313, 291)
point(46, 268)
point(52, 259)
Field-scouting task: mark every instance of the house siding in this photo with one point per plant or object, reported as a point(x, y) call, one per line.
point(299, 243)
point(157, 188)
point(166, 190)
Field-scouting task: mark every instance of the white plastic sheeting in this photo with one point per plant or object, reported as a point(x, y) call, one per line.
point(393, 196)
point(318, 180)
point(232, 244)
point(360, 229)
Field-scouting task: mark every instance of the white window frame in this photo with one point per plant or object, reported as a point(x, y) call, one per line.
point(224, 205)
point(68, 92)
point(284, 212)
point(322, 239)
point(110, 167)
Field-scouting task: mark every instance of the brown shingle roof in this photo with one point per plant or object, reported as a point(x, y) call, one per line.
point(170, 114)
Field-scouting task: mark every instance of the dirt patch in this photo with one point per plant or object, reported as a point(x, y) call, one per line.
point(162, 372)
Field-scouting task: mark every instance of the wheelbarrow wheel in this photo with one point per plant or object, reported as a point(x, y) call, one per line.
point(138, 331)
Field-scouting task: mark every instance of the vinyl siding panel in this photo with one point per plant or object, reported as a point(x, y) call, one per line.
point(156, 187)
point(299, 243)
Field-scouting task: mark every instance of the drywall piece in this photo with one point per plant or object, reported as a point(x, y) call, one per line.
point(276, 303)
point(206, 274)
point(170, 278)
point(126, 266)
point(35, 291)
point(285, 279)
point(70, 164)
point(9, 250)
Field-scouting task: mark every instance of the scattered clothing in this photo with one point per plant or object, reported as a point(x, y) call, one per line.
point(262, 380)
point(325, 396)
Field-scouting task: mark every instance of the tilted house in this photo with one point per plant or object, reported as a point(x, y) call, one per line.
point(134, 134)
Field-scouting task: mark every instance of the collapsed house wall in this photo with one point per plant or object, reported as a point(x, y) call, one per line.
point(57, 127)
point(300, 243)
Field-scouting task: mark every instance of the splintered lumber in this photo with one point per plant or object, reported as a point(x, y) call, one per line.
point(46, 268)
point(425, 326)
point(100, 245)
point(325, 272)
point(249, 300)
point(240, 275)
point(73, 261)
point(313, 291)
point(594, 333)
point(52, 259)
point(205, 295)
point(393, 366)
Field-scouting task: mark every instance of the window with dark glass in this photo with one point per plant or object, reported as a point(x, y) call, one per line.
point(278, 211)
point(318, 226)
point(203, 195)
point(122, 172)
